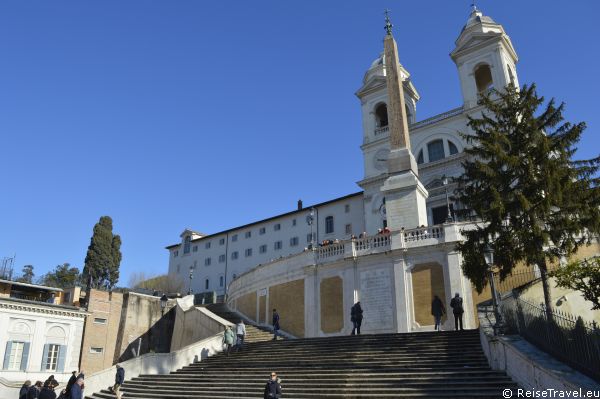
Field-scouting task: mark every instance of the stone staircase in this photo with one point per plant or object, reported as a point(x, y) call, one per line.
point(254, 333)
point(415, 365)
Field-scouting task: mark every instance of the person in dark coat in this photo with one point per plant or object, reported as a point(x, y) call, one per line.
point(119, 379)
point(438, 310)
point(70, 383)
point(356, 317)
point(47, 391)
point(275, 324)
point(273, 387)
point(76, 390)
point(34, 390)
point(457, 308)
point(24, 389)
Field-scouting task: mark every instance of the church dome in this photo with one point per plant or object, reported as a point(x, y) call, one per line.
point(476, 18)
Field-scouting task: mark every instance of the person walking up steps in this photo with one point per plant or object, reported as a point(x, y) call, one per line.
point(437, 310)
point(275, 324)
point(240, 331)
point(457, 308)
point(228, 339)
point(356, 317)
point(119, 379)
point(273, 387)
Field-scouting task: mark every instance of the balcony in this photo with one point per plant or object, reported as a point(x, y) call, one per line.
point(381, 130)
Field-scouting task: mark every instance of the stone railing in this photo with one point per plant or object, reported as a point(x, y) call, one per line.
point(422, 234)
point(362, 246)
point(381, 130)
point(336, 251)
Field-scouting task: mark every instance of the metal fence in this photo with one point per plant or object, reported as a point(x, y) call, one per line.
point(568, 338)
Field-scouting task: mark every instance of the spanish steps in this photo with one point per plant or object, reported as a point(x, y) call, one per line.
point(443, 364)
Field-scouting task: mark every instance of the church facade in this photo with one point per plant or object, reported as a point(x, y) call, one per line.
point(406, 192)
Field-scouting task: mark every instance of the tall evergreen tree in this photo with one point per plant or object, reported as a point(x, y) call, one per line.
point(27, 276)
point(101, 269)
point(536, 203)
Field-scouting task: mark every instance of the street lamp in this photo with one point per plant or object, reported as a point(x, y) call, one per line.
point(163, 303)
point(191, 277)
point(310, 220)
point(488, 254)
point(449, 218)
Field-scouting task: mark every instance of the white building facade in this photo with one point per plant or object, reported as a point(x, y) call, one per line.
point(394, 275)
point(39, 339)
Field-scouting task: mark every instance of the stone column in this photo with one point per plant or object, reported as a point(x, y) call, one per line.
point(311, 302)
point(402, 321)
point(405, 196)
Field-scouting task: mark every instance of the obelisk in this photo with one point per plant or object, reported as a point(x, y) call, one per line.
point(405, 195)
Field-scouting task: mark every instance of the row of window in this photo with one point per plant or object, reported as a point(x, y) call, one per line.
point(329, 229)
point(17, 355)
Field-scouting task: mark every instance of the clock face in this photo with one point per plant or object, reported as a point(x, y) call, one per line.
point(380, 159)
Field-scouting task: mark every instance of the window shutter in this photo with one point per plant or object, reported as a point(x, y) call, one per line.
point(62, 354)
point(44, 358)
point(25, 356)
point(7, 354)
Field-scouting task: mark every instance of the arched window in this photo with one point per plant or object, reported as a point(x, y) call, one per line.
point(435, 150)
point(381, 115)
point(511, 76)
point(452, 148)
point(186, 245)
point(329, 225)
point(420, 159)
point(483, 78)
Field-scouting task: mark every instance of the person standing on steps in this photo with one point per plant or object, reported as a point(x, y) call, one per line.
point(240, 331)
point(76, 389)
point(438, 310)
point(119, 379)
point(228, 339)
point(457, 308)
point(72, 380)
point(273, 387)
point(34, 390)
point(275, 324)
point(356, 317)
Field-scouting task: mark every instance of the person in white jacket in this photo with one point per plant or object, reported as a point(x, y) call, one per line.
point(240, 331)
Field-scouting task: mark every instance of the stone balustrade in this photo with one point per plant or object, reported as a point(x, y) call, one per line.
point(381, 130)
point(422, 234)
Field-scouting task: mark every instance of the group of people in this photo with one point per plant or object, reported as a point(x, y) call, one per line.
point(73, 390)
point(438, 310)
point(235, 341)
point(47, 389)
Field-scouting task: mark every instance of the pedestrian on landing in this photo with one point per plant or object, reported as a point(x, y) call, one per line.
point(275, 324)
point(228, 339)
point(240, 331)
point(356, 317)
point(34, 390)
point(119, 379)
point(47, 391)
point(457, 308)
point(273, 387)
point(24, 389)
point(77, 389)
point(70, 383)
point(438, 310)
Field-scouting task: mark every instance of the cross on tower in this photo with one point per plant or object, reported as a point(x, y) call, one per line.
point(388, 24)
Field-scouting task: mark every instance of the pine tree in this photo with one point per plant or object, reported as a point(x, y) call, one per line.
point(101, 269)
point(536, 203)
point(27, 276)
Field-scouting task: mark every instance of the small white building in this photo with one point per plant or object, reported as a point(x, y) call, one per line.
point(38, 338)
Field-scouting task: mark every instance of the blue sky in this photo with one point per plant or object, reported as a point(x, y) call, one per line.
point(174, 114)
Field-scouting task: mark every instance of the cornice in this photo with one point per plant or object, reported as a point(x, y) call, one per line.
point(46, 310)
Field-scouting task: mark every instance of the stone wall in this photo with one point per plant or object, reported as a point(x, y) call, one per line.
point(101, 330)
point(332, 304)
point(288, 299)
point(246, 305)
point(428, 280)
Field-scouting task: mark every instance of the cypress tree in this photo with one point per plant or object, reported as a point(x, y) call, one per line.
point(536, 203)
point(101, 269)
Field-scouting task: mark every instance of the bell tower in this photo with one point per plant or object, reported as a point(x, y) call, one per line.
point(484, 56)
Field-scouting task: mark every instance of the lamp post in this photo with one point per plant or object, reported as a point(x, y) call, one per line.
point(310, 220)
point(163, 303)
point(449, 218)
point(191, 277)
point(488, 254)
